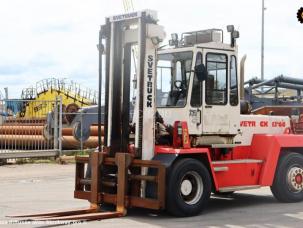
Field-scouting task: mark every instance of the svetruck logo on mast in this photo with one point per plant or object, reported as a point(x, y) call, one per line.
point(150, 65)
point(300, 15)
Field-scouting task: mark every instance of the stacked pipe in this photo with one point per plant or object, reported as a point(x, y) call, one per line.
point(29, 134)
point(38, 121)
point(70, 142)
point(23, 134)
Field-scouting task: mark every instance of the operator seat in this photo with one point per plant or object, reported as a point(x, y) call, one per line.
point(177, 97)
point(181, 100)
point(173, 97)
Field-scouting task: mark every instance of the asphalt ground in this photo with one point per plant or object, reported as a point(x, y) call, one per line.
point(35, 188)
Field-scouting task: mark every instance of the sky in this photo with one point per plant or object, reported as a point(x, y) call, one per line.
point(57, 38)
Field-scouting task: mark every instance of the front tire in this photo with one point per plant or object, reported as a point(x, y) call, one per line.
point(288, 183)
point(189, 188)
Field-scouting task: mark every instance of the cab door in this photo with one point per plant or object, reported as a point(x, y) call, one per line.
point(196, 99)
point(221, 112)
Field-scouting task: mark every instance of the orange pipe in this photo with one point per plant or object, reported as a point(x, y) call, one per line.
point(67, 131)
point(38, 142)
point(21, 130)
point(93, 131)
point(25, 121)
point(69, 142)
point(24, 142)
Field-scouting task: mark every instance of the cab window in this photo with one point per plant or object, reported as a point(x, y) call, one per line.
point(196, 95)
point(216, 81)
point(233, 97)
point(173, 74)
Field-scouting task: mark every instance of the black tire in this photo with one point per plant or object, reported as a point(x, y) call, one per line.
point(289, 173)
point(190, 171)
point(151, 187)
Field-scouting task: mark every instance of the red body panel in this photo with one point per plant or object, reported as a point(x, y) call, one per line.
point(239, 174)
point(267, 148)
point(181, 140)
point(182, 151)
point(171, 150)
point(242, 165)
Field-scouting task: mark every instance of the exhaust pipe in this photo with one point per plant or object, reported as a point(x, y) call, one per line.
point(242, 63)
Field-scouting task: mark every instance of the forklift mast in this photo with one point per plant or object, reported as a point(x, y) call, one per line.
point(119, 34)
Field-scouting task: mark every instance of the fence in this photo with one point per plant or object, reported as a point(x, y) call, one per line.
point(35, 128)
point(79, 132)
point(22, 127)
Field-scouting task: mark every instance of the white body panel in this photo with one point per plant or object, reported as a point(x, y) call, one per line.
point(207, 119)
point(260, 124)
point(192, 115)
point(149, 102)
point(221, 119)
point(188, 114)
point(225, 119)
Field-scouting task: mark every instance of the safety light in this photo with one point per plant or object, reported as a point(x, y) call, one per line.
point(235, 34)
point(174, 36)
point(174, 40)
point(230, 28)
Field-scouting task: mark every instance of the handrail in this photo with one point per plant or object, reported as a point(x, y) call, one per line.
point(69, 88)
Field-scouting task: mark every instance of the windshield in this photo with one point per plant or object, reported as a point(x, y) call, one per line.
point(173, 73)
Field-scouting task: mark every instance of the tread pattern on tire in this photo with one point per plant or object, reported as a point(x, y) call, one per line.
point(175, 205)
point(280, 187)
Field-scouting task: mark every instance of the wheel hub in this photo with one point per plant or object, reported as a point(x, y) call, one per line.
point(299, 179)
point(191, 188)
point(295, 179)
point(186, 187)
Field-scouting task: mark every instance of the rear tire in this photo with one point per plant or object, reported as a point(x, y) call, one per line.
point(288, 183)
point(189, 188)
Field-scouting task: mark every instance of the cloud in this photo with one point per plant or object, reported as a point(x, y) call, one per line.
point(53, 28)
point(11, 69)
point(57, 38)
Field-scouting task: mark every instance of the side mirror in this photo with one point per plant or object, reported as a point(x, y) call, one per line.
point(201, 72)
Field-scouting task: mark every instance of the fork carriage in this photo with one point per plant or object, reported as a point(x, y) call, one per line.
point(121, 188)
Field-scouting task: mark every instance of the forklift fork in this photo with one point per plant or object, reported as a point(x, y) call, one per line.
point(96, 196)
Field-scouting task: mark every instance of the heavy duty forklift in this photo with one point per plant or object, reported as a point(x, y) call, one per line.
point(186, 136)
